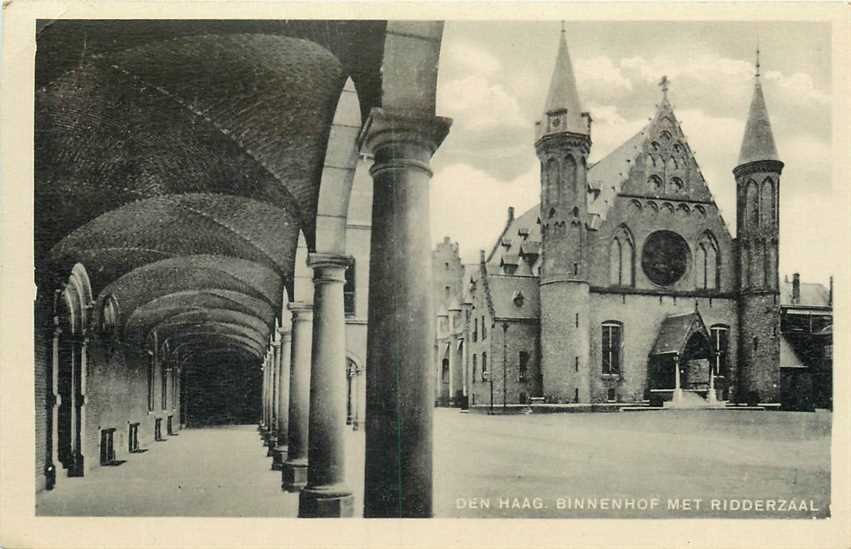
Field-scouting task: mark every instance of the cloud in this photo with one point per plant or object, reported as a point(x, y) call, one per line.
point(467, 58)
point(478, 103)
point(798, 85)
point(470, 206)
point(598, 77)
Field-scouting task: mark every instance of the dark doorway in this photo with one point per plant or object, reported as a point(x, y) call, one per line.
point(223, 390)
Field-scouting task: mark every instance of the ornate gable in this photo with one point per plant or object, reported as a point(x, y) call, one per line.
point(666, 167)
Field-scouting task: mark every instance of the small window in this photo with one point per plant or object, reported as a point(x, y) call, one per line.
point(484, 366)
point(576, 364)
point(484, 329)
point(524, 365)
point(446, 293)
point(475, 329)
point(446, 265)
point(611, 348)
point(475, 367)
point(720, 342)
point(349, 290)
point(576, 394)
point(755, 343)
point(610, 396)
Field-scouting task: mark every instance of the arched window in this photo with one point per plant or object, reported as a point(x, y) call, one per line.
point(751, 204)
point(622, 258)
point(552, 180)
point(570, 175)
point(615, 263)
point(707, 263)
point(612, 347)
point(349, 289)
point(766, 203)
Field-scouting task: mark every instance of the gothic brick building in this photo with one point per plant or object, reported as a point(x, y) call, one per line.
point(625, 283)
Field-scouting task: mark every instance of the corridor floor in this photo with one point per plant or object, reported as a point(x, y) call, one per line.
point(212, 472)
point(503, 461)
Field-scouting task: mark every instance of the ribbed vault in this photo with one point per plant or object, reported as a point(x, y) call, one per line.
point(179, 160)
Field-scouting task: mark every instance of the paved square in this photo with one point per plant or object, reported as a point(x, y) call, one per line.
point(507, 461)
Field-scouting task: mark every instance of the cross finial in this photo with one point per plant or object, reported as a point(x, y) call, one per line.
point(663, 83)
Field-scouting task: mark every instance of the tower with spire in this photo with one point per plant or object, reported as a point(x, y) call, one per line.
point(757, 234)
point(562, 144)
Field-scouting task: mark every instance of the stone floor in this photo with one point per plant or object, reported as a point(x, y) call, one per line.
point(504, 461)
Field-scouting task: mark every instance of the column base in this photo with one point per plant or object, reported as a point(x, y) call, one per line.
point(334, 501)
point(279, 456)
point(272, 442)
point(294, 475)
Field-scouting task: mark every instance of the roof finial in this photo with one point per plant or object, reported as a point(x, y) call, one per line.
point(562, 26)
point(663, 83)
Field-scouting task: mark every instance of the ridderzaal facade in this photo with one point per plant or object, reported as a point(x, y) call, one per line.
point(624, 284)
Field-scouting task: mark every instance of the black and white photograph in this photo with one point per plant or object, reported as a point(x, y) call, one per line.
point(559, 265)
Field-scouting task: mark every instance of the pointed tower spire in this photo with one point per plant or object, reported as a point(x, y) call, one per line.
point(758, 141)
point(563, 97)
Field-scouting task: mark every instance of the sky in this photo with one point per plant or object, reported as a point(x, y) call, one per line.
point(493, 79)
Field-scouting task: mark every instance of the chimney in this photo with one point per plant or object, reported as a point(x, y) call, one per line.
point(796, 288)
point(510, 214)
point(830, 293)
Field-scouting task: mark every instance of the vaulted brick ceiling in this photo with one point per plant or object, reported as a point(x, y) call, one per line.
point(179, 160)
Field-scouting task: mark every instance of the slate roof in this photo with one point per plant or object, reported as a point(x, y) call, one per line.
point(504, 288)
point(675, 331)
point(813, 294)
point(758, 140)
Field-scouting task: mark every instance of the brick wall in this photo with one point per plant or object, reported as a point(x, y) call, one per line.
point(641, 316)
point(760, 347)
point(564, 341)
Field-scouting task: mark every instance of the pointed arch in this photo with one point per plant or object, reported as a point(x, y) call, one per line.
point(551, 180)
point(766, 203)
point(707, 263)
point(622, 258)
point(751, 204)
point(570, 175)
point(615, 266)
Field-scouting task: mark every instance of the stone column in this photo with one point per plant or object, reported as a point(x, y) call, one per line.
point(266, 370)
point(273, 400)
point(81, 433)
point(55, 402)
point(283, 347)
point(400, 353)
point(294, 475)
point(326, 493)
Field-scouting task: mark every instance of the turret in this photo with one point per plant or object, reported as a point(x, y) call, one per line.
point(757, 233)
point(562, 143)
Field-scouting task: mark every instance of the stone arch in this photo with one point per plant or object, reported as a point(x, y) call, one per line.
point(677, 184)
point(655, 183)
point(668, 207)
point(338, 171)
point(653, 207)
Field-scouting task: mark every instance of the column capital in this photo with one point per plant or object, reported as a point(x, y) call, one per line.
point(386, 127)
point(301, 311)
point(328, 267)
